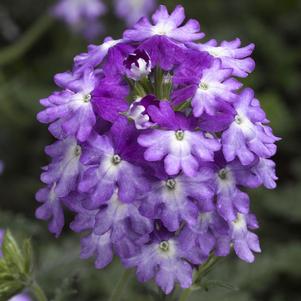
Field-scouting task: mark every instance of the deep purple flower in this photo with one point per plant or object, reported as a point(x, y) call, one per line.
point(166, 25)
point(71, 108)
point(132, 10)
point(231, 55)
point(81, 15)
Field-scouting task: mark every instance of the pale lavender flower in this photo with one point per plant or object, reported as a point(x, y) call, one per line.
point(132, 10)
point(81, 15)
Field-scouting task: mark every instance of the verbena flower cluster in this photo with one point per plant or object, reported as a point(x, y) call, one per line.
point(84, 16)
point(20, 297)
point(157, 142)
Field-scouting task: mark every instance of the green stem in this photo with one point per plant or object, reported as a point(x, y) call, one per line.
point(38, 292)
point(202, 271)
point(121, 285)
point(185, 294)
point(16, 50)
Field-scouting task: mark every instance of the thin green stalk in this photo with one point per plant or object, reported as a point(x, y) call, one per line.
point(202, 271)
point(185, 294)
point(10, 53)
point(38, 292)
point(121, 285)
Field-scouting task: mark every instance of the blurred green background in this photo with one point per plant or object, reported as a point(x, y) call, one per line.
point(275, 27)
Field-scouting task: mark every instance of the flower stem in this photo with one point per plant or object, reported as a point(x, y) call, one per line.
point(16, 50)
point(121, 285)
point(185, 294)
point(38, 292)
point(202, 271)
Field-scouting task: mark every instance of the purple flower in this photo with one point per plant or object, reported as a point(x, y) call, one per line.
point(132, 10)
point(51, 209)
point(71, 108)
point(2, 233)
point(81, 15)
point(95, 55)
point(164, 260)
point(244, 241)
point(166, 25)
point(21, 297)
point(84, 218)
point(180, 147)
point(109, 164)
point(1, 167)
point(231, 55)
point(248, 135)
point(138, 112)
point(65, 167)
point(214, 86)
point(99, 246)
point(157, 148)
point(170, 200)
point(206, 234)
point(265, 170)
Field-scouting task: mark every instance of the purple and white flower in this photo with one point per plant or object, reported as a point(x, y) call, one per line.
point(51, 209)
point(72, 108)
point(231, 54)
point(65, 168)
point(166, 261)
point(157, 146)
point(165, 24)
point(248, 136)
point(178, 144)
point(171, 199)
point(138, 65)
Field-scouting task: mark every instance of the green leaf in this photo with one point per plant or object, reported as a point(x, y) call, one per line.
point(211, 284)
point(28, 256)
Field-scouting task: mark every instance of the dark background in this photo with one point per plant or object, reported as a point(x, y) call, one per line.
point(275, 27)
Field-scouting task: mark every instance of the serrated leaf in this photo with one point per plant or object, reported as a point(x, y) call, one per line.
point(12, 253)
